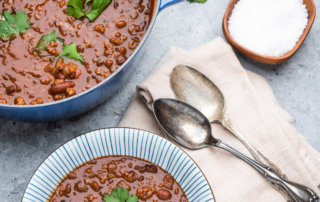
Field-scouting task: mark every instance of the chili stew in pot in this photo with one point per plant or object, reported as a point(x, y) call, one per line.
point(108, 178)
point(54, 49)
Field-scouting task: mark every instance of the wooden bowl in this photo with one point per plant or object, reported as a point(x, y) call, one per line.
point(261, 58)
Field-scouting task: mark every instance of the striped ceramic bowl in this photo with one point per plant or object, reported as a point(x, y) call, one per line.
point(118, 141)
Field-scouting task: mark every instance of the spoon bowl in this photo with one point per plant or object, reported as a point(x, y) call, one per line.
point(194, 88)
point(197, 90)
point(190, 128)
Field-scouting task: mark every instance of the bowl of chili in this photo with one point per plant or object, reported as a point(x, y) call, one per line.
point(105, 163)
point(62, 58)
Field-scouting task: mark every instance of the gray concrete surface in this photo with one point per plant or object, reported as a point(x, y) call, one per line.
point(296, 84)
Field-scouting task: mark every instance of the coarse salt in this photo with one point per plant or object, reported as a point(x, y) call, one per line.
point(268, 27)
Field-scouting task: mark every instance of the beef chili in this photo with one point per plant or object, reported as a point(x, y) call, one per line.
point(95, 180)
point(50, 50)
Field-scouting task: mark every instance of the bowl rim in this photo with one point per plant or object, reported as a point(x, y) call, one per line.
point(109, 128)
point(262, 58)
point(156, 7)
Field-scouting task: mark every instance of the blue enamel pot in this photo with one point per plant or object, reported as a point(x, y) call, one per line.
point(84, 101)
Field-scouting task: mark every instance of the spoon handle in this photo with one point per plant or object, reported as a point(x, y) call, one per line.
point(255, 153)
point(297, 192)
point(228, 125)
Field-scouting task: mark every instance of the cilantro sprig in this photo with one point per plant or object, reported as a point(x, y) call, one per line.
point(70, 51)
point(44, 42)
point(12, 24)
point(76, 8)
point(120, 195)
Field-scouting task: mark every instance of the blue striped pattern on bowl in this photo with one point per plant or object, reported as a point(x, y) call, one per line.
point(118, 141)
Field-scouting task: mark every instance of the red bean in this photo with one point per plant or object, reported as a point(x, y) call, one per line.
point(100, 28)
point(78, 73)
point(80, 188)
point(130, 176)
point(121, 24)
point(46, 80)
point(151, 168)
point(168, 182)
point(123, 51)
point(116, 42)
point(19, 101)
point(108, 63)
point(3, 101)
point(120, 60)
point(163, 194)
point(71, 92)
point(38, 100)
point(80, 48)
point(61, 87)
point(10, 89)
point(112, 167)
point(95, 186)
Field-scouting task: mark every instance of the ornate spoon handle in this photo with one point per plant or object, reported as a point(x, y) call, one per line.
point(297, 192)
point(227, 124)
point(256, 155)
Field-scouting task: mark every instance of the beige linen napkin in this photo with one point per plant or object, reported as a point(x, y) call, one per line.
point(252, 107)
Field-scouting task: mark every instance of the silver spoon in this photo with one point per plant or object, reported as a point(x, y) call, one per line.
point(190, 128)
point(193, 87)
point(196, 89)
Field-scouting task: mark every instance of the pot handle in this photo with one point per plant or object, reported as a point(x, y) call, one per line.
point(165, 3)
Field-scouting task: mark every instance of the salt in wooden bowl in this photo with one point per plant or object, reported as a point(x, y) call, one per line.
point(261, 58)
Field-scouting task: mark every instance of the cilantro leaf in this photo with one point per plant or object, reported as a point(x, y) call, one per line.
point(197, 1)
point(76, 8)
point(44, 42)
point(87, 1)
point(6, 31)
point(70, 51)
point(108, 198)
point(133, 198)
point(52, 36)
point(120, 195)
point(12, 24)
point(21, 21)
point(97, 7)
